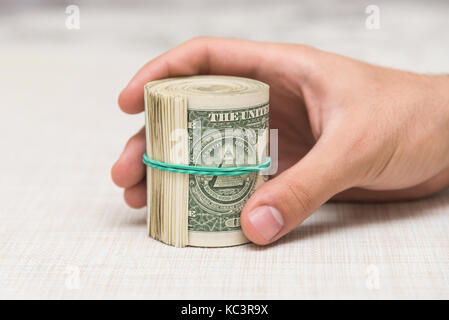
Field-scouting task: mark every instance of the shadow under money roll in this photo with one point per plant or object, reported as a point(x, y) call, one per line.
point(207, 137)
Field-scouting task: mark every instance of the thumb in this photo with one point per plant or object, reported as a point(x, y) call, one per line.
point(281, 204)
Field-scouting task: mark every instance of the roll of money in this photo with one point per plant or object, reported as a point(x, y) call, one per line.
point(207, 121)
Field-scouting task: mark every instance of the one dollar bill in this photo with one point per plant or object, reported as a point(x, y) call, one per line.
point(213, 121)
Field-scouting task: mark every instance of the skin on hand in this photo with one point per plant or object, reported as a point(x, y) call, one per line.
point(348, 130)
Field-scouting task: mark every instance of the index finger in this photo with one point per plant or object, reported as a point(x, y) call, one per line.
point(203, 55)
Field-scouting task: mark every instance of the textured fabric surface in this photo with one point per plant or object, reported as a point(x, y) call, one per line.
point(64, 229)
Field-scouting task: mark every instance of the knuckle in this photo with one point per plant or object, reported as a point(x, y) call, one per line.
point(136, 138)
point(302, 197)
point(132, 140)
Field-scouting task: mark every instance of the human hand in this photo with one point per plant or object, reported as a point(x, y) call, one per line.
point(347, 130)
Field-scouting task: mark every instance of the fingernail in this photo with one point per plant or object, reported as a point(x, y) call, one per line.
point(267, 221)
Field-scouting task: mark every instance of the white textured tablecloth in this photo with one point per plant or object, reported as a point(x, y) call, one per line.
point(64, 229)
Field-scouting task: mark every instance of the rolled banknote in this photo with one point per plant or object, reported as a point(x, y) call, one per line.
point(203, 121)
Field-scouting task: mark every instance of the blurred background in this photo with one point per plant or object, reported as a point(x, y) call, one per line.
point(61, 129)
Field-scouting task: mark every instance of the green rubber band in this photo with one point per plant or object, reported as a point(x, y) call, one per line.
point(206, 171)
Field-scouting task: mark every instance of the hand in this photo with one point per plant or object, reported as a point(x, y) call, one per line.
point(347, 130)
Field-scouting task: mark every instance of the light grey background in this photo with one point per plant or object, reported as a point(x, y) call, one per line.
point(64, 229)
